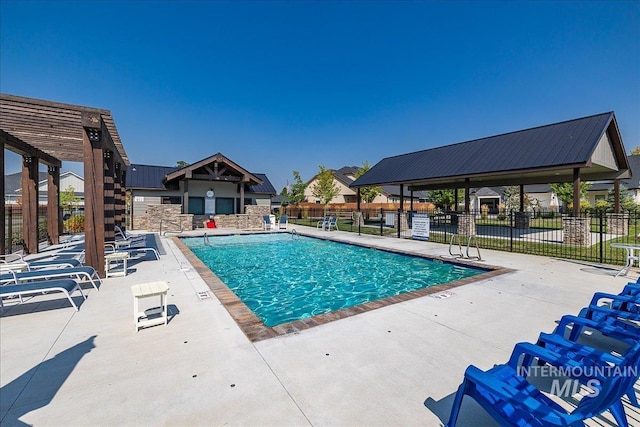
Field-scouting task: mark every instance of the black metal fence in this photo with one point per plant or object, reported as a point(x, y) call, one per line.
point(540, 232)
point(14, 233)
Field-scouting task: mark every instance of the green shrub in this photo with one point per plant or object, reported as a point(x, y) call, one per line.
point(75, 223)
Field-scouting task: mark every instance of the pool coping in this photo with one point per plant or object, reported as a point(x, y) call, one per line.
point(255, 330)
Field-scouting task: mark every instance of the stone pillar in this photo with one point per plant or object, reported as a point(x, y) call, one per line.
point(576, 231)
point(521, 220)
point(617, 224)
point(403, 221)
point(358, 219)
point(466, 224)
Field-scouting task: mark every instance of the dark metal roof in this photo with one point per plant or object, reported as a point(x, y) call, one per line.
point(151, 177)
point(265, 188)
point(13, 182)
point(147, 176)
point(540, 152)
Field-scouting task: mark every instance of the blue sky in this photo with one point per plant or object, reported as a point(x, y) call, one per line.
point(283, 86)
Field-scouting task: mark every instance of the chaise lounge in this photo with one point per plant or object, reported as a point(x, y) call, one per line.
point(67, 286)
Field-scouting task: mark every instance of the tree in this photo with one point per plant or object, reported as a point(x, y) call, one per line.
point(442, 198)
point(296, 194)
point(68, 199)
point(181, 164)
point(512, 199)
point(626, 199)
point(325, 188)
point(284, 191)
point(564, 191)
point(635, 151)
point(368, 194)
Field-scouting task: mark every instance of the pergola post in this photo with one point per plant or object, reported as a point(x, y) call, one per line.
point(616, 196)
point(521, 198)
point(3, 234)
point(358, 198)
point(241, 198)
point(109, 196)
point(30, 203)
point(53, 204)
point(401, 197)
point(576, 192)
point(92, 143)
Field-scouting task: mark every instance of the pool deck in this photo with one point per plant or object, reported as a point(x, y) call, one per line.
point(396, 365)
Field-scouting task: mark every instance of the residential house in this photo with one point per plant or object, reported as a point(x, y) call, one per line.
point(13, 187)
point(343, 177)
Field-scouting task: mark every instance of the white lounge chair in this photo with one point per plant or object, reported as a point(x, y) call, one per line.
point(323, 223)
point(268, 223)
point(67, 286)
point(80, 273)
point(333, 222)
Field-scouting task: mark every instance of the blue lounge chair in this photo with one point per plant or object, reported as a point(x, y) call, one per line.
point(323, 223)
point(333, 223)
point(79, 273)
point(282, 223)
point(512, 401)
point(67, 286)
point(267, 223)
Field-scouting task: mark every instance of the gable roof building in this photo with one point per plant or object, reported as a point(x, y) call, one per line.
point(214, 185)
point(588, 148)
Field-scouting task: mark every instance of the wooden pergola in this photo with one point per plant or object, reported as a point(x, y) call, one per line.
point(50, 132)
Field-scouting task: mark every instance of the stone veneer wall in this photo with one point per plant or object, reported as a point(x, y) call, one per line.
point(403, 224)
point(169, 215)
point(576, 231)
point(466, 224)
point(617, 224)
point(252, 219)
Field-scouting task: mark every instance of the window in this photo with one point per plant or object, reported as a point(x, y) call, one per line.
point(171, 200)
point(196, 205)
point(224, 205)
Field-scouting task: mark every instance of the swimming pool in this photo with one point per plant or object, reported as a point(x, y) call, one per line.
point(283, 278)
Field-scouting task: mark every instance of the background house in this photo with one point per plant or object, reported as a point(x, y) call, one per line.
point(13, 187)
point(343, 177)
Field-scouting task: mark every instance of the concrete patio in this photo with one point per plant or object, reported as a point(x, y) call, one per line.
point(397, 365)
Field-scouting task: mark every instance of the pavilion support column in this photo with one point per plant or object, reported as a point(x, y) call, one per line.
point(53, 204)
point(402, 216)
point(30, 203)
point(521, 217)
point(94, 221)
point(466, 220)
point(411, 202)
point(467, 198)
point(455, 199)
point(3, 233)
point(241, 198)
point(576, 230)
point(109, 196)
point(576, 192)
point(617, 222)
point(185, 197)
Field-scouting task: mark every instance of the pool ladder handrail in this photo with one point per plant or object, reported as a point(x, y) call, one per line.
point(294, 234)
point(465, 255)
point(205, 239)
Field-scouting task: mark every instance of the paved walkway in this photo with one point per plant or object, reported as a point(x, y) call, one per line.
point(397, 365)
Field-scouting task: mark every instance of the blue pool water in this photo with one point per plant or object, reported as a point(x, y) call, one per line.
point(283, 278)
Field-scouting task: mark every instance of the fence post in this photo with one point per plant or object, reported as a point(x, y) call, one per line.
point(511, 230)
point(601, 238)
point(381, 215)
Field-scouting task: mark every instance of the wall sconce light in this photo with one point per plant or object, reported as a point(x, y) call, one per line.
point(27, 160)
point(52, 168)
point(107, 154)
